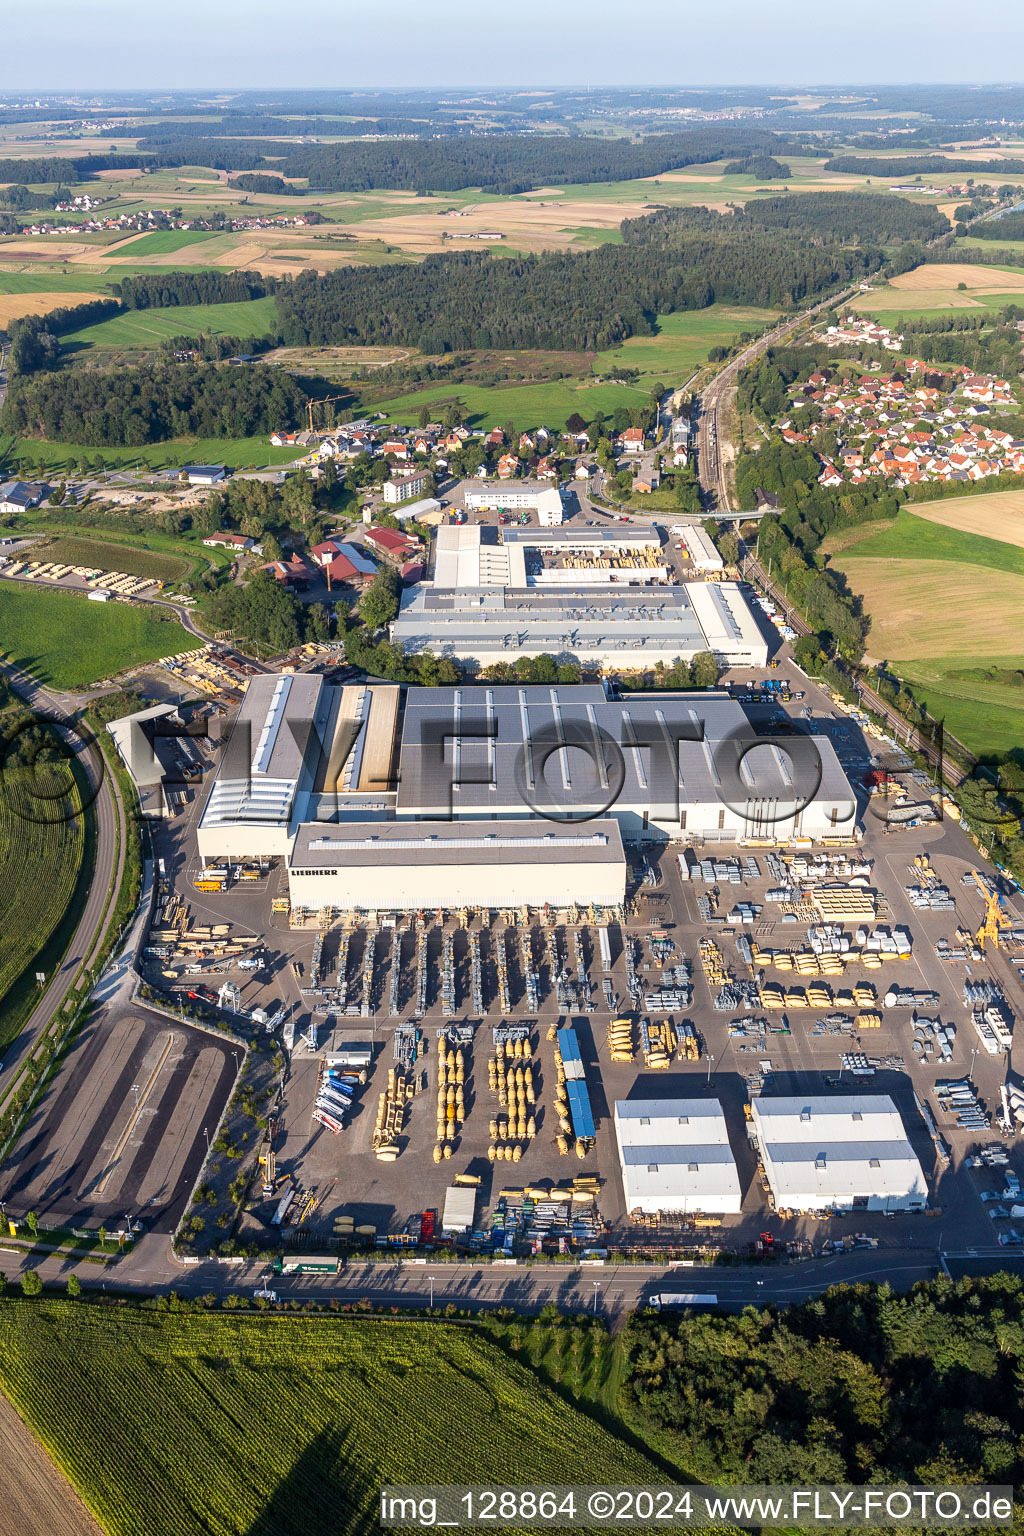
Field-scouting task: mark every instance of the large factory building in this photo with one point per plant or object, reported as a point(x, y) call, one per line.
point(379, 796)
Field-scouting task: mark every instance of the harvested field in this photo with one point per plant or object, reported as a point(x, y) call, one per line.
point(36, 1498)
point(998, 516)
point(526, 224)
point(933, 278)
point(929, 608)
point(14, 305)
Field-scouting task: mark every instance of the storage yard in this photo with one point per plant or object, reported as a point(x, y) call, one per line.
point(432, 1041)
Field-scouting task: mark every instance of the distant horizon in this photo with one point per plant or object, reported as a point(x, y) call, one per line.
point(569, 46)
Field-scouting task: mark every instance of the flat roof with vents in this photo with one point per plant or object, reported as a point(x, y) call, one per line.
point(675, 1155)
point(401, 842)
point(847, 1152)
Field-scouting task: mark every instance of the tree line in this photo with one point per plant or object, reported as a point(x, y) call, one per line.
point(133, 406)
point(259, 181)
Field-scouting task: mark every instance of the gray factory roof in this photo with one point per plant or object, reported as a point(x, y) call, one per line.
point(630, 623)
point(272, 742)
point(373, 843)
point(464, 751)
point(585, 621)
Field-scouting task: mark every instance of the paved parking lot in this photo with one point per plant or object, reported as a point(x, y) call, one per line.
point(122, 1130)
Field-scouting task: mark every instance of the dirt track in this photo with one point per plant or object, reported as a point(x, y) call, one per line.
point(35, 1496)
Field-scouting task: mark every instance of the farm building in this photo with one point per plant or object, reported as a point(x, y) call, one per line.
point(674, 1155)
point(204, 474)
point(848, 1152)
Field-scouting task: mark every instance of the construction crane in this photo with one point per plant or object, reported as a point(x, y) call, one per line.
point(996, 918)
point(329, 400)
point(268, 1161)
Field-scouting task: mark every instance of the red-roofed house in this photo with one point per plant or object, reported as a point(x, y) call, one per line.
point(507, 466)
point(234, 541)
point(394, 546)
point(293, 573)
point(632, 440)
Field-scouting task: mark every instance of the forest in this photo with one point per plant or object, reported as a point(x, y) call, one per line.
point(134, 406)
point(504, 163)
point(258, 181)
point(34, 342)
point(677, 260)
point(861, 1384)
point(902, 166)
point(873, 217)
point(164, 290)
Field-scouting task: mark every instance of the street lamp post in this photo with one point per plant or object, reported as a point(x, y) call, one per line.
point(597, 1286)
point(431, 1278)
point(711, 1062)
point(207, 1135)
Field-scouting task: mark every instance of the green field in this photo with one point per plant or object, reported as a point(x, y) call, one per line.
point(187, 1423)
point(526, 405)
point(42, 843)
point(161, 241)
point(37, 626)
point(150, 327)
point(914, 538)
point(43, 457)
point(945, 609)
point(72, 549)
point(682, 342)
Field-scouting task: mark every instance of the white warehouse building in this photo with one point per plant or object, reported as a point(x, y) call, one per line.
point(675, 1157)
point(841, 1153)
point(517, 496)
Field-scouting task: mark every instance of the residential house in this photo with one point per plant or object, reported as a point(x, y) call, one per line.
point(293, 574)
point(632, 440)
point(508, 464)
point(283, 439)
point(233, 541)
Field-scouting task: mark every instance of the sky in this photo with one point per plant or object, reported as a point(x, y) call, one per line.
point(197, 44)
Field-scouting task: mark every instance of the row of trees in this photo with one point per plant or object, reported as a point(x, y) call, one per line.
point(905, 166)
point(134, 406)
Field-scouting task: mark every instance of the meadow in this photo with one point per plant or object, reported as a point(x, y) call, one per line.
point(945, 610)
point(682, 342)
point(148, 328)
point(936, 287)
point(161, 242)
point(43, 456)
point(181, 1423)
point(36, 625)
point(526, 405)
